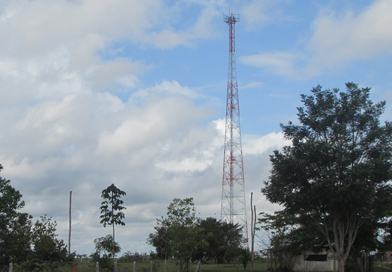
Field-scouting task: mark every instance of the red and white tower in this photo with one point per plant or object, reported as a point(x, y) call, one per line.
point(233, 205)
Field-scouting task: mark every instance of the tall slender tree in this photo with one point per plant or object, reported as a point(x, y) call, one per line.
point(336, 173)
point(111, 209)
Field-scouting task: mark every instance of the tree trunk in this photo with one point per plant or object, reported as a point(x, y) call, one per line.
point(113, 226)
point(341, 264)
point(113, 242)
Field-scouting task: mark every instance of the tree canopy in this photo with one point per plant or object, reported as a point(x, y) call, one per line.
point(35, 246)
point(185, 236)
point(111, 209)
point(48, 250)
point(184, 233)
point(15, 226)
point(104, 246)
point(336, 172)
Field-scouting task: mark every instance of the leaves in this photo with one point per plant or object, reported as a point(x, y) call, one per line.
point(47, 247)
point(186, 237)
point(111, 210)
point(112, 203)
point(15, 227)
point(104, 245)
point(336, 172)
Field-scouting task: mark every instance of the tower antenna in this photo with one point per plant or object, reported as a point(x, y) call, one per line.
point(233, 205)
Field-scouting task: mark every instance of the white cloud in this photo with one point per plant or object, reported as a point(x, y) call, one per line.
point(262, 144)
point(337, 39)
point(279, 62)
point(256, 12)
point(120, 71)
point(341, 38)
point(64, 127)
point(166, 88)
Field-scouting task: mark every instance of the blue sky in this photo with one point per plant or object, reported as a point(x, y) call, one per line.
point(134, 92)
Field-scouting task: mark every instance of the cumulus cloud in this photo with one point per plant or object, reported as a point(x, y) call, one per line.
point(340, 38)
point(259, 13)
point(279, 62)
point(77, 116)
point(337, 38)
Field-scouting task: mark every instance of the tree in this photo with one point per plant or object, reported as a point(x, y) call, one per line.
point(184, 232)
point(186, 237)
point(104, 246)
point(160, 239)
point(288, 237)
point(15, 226)
point(335, 174)
point(105, 251)
point(222, 239)
point(48, 250)
point(111, 209)
point(178, 235)
point(129, 257)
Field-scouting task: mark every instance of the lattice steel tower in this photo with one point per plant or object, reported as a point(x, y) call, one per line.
point(233, 205)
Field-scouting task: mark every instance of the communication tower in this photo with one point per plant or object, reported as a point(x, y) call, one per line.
point(233, 205)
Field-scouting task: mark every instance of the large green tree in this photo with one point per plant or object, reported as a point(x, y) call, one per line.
point(184, 232)
point(336, 172)
point(111, 209)
point(161, 238)
point(223, 240)
point(185, 236)
point(15, 226)
point(179, 235)
point(48, 250)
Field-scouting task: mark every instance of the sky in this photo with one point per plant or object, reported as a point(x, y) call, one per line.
point(134, 93)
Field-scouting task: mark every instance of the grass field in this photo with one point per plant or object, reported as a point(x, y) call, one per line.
point(382, 267)
point(159, 266)
point(259, 266)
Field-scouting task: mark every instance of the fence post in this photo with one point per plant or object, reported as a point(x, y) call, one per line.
point(165, 266)
point(115, 267)
point(198, 266)
point(96, 267)
point(189, 266)
point(11, 267)
point(150, 266)
point(134, 266)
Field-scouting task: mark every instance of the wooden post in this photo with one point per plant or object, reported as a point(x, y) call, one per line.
point(115, 267)
point(252, 231)
point(267, 259)
point(150, 266)
point(189, 266)
point(96, 267)
point(69, 235)
point(134, 266)
point(198, 266)
point(11, 267)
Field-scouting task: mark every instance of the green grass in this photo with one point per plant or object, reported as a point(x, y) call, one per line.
point(160, 266)
point(382, 267)
point(259, 266)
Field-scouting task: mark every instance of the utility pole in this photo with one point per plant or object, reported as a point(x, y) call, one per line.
point(69, 235)
point(252, 231)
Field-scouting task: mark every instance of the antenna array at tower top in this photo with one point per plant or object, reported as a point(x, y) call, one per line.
point(233, 18)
